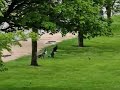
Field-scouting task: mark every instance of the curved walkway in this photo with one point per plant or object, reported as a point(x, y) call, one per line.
point(18, 52)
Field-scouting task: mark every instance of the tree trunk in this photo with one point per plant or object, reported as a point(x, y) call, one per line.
point(34, 52)
point(80, 39)
point(109, 11)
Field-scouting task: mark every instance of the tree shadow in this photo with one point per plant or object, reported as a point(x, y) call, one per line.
point(80, 47)
point(6, 56)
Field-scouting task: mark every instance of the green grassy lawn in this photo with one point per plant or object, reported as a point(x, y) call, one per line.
point(94, 67)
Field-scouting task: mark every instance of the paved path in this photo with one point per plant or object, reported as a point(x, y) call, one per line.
point(18, 52)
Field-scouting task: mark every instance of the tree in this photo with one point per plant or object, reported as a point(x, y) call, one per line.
point(37, 18)
point(82, 17)
point(109, 7)
point(116, 7)
point(108, 4)
point(28, 14)
point(112, 6)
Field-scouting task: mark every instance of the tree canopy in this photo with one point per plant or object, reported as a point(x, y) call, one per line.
point(83, 17)
point(28, 14)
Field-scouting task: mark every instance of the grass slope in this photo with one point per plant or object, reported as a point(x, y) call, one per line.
point(95, 67)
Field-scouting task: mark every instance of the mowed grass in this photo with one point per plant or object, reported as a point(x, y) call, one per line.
point(94, 67)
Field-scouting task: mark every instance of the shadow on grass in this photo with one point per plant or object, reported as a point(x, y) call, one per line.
point(81, 47)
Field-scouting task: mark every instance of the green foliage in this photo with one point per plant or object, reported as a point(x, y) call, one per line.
point(21, 14)
point(38, 17)
point(34, 36)
point(2, 67)
point(99, 2)
point(6, 41)
point(110, 2)
point(83, 16)
point(1, 6)
point(49, 26)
